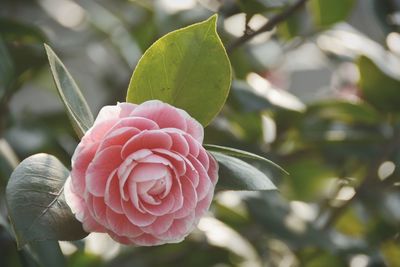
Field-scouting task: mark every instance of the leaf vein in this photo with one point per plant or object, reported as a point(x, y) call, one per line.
point(47, 208)
point(194, 61)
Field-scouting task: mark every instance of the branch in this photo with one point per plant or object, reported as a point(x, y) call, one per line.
point(272, 22)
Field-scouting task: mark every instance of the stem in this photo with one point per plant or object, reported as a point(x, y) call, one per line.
point(272, 22)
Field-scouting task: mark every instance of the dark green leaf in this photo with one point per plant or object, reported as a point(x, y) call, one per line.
point(379, 85)
point(8, 161)
point(272, 212)
point(235, 174)
point(77, 108)
point(46, 253)
point(36, 203)
point(246, 99)
point(16, 31)
point(252, 7)
point(328, 12)
point(310, 178)
point(349, 112)
point(7, 70)
point(187, 68)
point(242, 154)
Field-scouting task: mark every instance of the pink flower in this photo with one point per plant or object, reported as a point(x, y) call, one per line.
point(141, 174)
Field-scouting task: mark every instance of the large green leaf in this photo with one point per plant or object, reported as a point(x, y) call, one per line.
point(380, 86)
point(36, 203)
point(77, 108)
point(328, 12)
point(235, 174)
point(242, 154)
point(187, 68)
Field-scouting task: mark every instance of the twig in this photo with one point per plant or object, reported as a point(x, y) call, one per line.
point(272, 22)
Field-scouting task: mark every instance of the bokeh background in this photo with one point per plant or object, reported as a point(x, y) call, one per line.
point(319, 95)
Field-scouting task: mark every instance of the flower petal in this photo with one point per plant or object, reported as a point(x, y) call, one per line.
point(148, 171)
point(119, 223)
point(127, 166)
point(189, 199)
point(135, 122)
point(147, 240)
point(203, 157)
point(213, 169)
point(161, 225)
point(80, 161)
point(194, 145)
point(165, 115)
point(147, 140)
point(204, 181)
point(102, 166)
point(135, 216)
point(179, 228)
point(112, 196)
point(118, 137)
point(114, 112)
point(175, 161)
point(74, 201)
point(163, 208)
point(203, 205)
point(194, 128)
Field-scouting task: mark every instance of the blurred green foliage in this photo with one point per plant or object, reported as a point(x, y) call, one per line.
point(339, 137)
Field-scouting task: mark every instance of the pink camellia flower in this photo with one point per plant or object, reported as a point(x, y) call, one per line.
point(141, 174)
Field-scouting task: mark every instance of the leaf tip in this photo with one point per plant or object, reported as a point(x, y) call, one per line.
point(212, 20)
point(47, 48)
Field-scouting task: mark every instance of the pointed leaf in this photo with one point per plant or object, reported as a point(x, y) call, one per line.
point(242, 154)
point(235, 174)
point(187, 68)
point(77, 109)
point(36, 203)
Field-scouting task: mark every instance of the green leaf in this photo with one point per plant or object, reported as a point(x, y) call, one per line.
point(36, 202)
point(346, 111)
point(7, 70)
point(328, 12)
point(257, 6)
point(77, 109)
point(391, 251)
point(46, 253)
point(187, 68)
point(380, 86)
point(16, 31)
point(246, 100)
point(235, 174)
point(8, 161)
point(242, 154)
point(310, 178)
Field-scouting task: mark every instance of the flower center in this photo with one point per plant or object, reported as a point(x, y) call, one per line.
point(158, 187)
